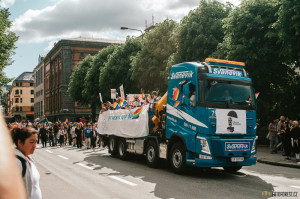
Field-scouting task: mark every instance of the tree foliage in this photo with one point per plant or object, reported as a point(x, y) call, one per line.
point(149, 65)
point(201, 31)
point(76, 85)
point(116, 70)
point(7, 44)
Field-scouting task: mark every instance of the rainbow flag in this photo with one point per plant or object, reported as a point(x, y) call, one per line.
point(137, 113)
point(116, 106)
point(66, 120)
point(37, 119)
point(143, 96)
point(176, 94)
point(256, 95)
point(123, 103)
point(176, 104)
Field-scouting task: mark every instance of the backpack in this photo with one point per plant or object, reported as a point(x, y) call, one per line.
point(23, 162)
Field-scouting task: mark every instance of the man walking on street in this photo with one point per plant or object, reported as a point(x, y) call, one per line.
point(87, 132)
point(44, 135)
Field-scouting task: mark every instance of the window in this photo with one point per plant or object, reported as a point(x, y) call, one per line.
point(31, 84)
point(21, 100)
point(81, 56)
point(32, 92)
point(32, 108)
point(20, 108)
point(31, 100)
point(17, 83)
point(21, 92)
point(20, 84)
point(17, 109)
point(16, 92)
point(16, 100)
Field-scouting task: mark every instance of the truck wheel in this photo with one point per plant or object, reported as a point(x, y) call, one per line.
point(152, 156)
point(232, 169)
point(177, 158)
point(123, 154)
point(112, 146)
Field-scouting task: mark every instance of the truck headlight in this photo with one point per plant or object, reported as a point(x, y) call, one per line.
point(204, 145)
point(254, 145)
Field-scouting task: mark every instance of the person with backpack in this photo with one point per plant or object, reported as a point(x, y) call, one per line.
point(25, 139)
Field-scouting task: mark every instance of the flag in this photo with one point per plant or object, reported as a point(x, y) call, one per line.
point(116, 106)
point(137, 113)
point(176, 94)
point(256, 95)
point(66, 121)
point(176, 104)
point(37, 119)
point(122, 92)
point(123, 103)
point(143, 96)
point(113, 93)
point(100, 96)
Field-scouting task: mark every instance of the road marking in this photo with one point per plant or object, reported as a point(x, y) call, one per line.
point(49, 151)
point(122, 180)
point(63, 157)
point(80, 164)
point(298, 187)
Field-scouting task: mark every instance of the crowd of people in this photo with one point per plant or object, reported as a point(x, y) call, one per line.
point(284, 134)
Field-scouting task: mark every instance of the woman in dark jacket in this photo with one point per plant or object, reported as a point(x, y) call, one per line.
point(78, 132)
point(287, 140)
point(93, 137)
point(295, 133)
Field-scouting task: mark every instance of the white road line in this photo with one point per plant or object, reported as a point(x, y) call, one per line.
point(63, 157)
point(298, 187)
point(122, 180)
point(80, 164)
point(49, 151)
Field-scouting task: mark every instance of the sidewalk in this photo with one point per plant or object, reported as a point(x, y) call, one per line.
point(264, 156)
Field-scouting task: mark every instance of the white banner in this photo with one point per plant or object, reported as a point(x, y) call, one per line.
point(122, 92)
point(231, 121)
point(113, 93)
point(100, 96)
point(132, 123)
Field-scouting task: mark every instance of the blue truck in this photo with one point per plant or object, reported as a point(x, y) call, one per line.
point(206, 119)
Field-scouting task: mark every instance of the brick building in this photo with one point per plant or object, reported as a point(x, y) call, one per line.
point(59, 64)
point(21, 100)
point(39, 88)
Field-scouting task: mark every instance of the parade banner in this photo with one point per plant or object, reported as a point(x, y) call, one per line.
point(129, 123)
point(231, 121)
point(113, 93)
point(122, 92)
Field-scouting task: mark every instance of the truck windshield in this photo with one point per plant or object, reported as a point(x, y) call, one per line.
point(226, 94)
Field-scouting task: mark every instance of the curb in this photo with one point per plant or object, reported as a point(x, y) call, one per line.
point(297, 166)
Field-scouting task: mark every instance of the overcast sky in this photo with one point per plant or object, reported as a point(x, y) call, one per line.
point(40, 23)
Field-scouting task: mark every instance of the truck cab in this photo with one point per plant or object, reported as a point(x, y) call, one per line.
point(210, 115)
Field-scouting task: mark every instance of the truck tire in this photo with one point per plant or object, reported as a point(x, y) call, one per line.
point(122, 153)
point(152, 155)
point(112, 146)
point(178, 158)
point(232, 169)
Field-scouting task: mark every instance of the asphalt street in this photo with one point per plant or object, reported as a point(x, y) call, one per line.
point(69, 172)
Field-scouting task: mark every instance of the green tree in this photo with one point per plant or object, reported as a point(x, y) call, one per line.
point(91, 89)
point(117, 69)
point(149, 65)
point(201, 31)
point(288, 26)
point(7, 44)
point(250, 37)
point(76, 85)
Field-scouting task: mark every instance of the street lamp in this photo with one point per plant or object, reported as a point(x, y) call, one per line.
point(126, 28)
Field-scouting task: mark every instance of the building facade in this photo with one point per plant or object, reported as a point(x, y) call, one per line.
point(39, 88)
point(59, 64)
point(21, 100)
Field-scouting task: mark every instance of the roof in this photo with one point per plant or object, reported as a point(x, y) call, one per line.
point(89, 39)
point(26, 76)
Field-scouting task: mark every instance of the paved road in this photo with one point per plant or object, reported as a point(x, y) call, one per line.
point(69, 172)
